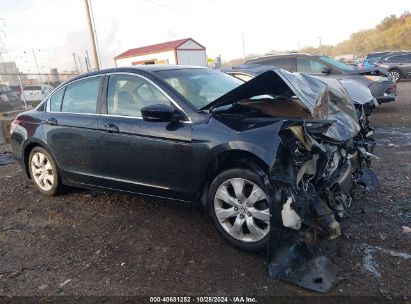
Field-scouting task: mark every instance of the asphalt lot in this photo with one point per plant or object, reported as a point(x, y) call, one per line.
point(94, 243)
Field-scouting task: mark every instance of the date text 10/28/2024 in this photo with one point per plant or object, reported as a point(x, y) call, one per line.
point(204, 299)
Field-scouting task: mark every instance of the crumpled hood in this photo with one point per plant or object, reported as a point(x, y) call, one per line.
point(308, 89)
point(324, 98)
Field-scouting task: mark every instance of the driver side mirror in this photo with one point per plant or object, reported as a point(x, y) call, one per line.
point(160, 113)
point(326, 70)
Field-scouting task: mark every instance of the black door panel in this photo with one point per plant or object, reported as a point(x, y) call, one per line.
point(147, 157)
point(71, 136)
point(73, 140)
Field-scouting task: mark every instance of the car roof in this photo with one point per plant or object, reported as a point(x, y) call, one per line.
point(291, 54)
point(379, 53)
point(165, 67)
point(140, 68)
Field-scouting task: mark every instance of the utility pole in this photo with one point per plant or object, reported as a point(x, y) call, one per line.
point(319, 37)
point(22, 91)
point(242, 36)
point(75, 62)
point(88, 62)
point(92, 35)
point(37, 65)
point(79, 63)
point(1, 50)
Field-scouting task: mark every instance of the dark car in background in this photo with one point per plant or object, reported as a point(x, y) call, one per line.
point(398, 64)
point(379, 81)
point(17, 89)
point(9, 99)
point(370, 60)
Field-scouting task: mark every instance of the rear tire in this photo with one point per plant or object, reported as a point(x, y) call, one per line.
point(237, 201)
point(395, 73)
point(43, 171)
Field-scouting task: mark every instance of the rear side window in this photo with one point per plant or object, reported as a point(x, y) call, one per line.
point(406, 58)
point(56, 100)
point(81, 96)
point(280, 62)
point(399, 58)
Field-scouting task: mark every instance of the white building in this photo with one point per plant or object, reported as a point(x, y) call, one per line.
point(9, 73)
point(184, 51)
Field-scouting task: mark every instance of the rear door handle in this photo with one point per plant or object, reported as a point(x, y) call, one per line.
point(51, 121)
point(110, 127)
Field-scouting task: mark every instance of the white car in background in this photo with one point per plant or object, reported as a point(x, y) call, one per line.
point(36, 92)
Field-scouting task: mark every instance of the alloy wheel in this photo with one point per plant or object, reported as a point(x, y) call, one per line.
point(42, 171)
point(395, 74)
point(241, 208)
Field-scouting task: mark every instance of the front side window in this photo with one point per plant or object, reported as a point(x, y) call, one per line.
point(281, 63)
point(127, 94)
point(81, 96)
point(307, 65)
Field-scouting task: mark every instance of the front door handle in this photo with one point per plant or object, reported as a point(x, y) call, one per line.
point(51, 121)
point(110, 127)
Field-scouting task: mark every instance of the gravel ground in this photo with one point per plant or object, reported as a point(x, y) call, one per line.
point(105, 244)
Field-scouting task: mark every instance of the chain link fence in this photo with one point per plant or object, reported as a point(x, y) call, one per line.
point(25, 91)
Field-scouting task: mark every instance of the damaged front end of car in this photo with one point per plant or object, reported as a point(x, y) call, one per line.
point(315, 162)
point(365, 105)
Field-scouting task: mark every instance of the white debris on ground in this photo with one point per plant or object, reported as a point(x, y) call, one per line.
point(371, 265)
point(65, 282)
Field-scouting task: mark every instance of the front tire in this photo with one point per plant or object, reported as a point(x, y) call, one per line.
point(43, 171)
point(238, 205)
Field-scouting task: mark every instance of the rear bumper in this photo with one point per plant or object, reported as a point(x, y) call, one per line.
point(385, 91)
point(386, 98)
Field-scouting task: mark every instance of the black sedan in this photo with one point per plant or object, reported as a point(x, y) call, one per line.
point(259, 156)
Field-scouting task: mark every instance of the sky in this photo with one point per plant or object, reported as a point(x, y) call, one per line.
point(57, 28)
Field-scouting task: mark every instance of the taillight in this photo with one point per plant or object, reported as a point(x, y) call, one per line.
point(391, 89)
point(14, 125)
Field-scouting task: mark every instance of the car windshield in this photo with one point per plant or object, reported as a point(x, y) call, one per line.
point(200, 86)
point(337, 64)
